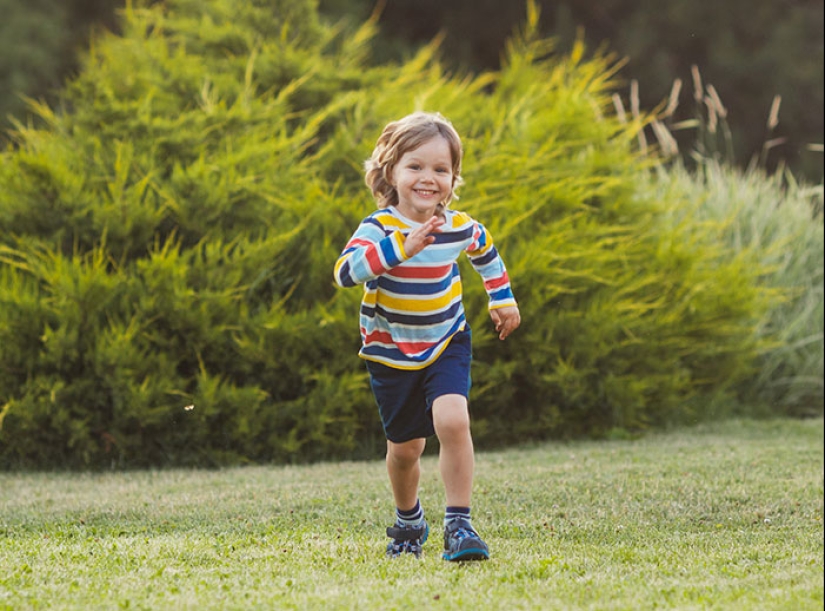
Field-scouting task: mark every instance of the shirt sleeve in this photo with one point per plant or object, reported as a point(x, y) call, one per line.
point(370, 252)
point(488, 263)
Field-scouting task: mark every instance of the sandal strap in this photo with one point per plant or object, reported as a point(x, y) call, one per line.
point(460, 524)
point(406, 534)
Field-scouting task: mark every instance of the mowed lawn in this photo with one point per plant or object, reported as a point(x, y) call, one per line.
point(722, 516)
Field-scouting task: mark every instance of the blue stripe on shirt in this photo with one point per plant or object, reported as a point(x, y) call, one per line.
point(388, 251)
point(485, 258)
point(402, 288)
point(411, 319)
point(501, 294)
point(453, 236)
point(344, 277)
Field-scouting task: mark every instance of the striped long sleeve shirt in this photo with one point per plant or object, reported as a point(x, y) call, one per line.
point(412, 307)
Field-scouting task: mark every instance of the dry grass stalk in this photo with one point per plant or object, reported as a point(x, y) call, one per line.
point(620, 113)
point(717, 102)
point(697, 83)
point(769, 144)
point(712, 118)
point(773, 115)
point(634, 110)
point(673, 99)
point(666, 140)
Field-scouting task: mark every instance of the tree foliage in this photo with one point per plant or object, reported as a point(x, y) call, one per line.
point(167, 241)
point(750, 50)
point(39, 45)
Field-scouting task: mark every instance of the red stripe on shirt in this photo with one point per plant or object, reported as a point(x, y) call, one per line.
point(358, 242)
point(407, 271)
point(496, 283)
point(374, 261)
point(382, 337)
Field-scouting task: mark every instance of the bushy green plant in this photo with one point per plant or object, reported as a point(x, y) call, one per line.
point(168, 241)
point(780, 220)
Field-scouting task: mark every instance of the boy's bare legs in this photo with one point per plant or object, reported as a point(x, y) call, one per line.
point(456, 458)
point(404, 469)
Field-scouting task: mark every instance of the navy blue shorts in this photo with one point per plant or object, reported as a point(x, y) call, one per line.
point(405, 397)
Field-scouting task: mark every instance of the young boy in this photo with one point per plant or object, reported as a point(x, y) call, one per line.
point(416, 341)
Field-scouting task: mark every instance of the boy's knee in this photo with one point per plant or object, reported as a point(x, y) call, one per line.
point(453, 429)
point(406, 452)
point(451, 416)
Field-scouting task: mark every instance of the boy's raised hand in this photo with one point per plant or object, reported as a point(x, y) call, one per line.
point(419, 238)
point(506, 319)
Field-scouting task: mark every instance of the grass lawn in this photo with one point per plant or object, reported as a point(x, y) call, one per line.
point(723, 516)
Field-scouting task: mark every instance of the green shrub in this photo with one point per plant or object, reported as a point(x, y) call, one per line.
point(781, 221)
point(167, 243)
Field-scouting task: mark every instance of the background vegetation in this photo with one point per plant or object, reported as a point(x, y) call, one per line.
point(167, 234)
point(752, 51)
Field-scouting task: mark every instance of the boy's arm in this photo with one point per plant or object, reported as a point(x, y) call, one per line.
point(488, 263)
point(369, 253)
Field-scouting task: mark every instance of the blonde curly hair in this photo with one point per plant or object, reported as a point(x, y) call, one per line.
point(400, 137)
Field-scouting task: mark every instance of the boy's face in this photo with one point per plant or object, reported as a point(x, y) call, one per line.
point(423, 178)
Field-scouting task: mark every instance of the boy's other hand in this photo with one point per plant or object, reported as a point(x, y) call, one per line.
point(506, 319)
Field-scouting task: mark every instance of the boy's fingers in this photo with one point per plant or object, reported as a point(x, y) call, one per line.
point(507, 324)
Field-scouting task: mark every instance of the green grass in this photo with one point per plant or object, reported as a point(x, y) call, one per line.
point(725, 516)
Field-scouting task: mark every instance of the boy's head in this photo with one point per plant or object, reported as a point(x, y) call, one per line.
point(400, 137)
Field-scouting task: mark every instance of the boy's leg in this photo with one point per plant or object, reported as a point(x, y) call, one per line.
point(410, 530)
point(457, 462)
point(404, 469)
point(456, 457)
